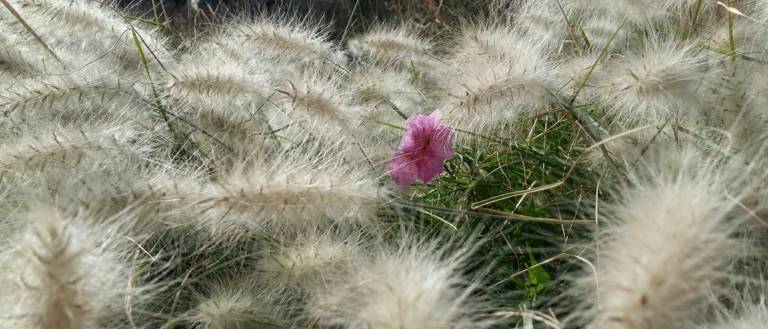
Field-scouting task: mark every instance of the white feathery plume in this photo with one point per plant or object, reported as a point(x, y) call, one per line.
point(573, 71)
point(542, 20)
point(207, 88)
point(314, 104)
point(15, 55)
point(305, 260)
point(498, 76)
point(491, 41)
point(639, 12)
point(238, 304)
point(666, 78)
point(83, 27)
point(748, 38)
point(755, 84)
point(600, 29)
point(282, 41)
point(384, 97)
point(69, 148)
point(681, 11)
point(301, 188)
point(582, 7)
point(394, 46)
point(383, 93)
point(225, 98)
point(644, 14)
point(493, 95)
point(156, 199)
point(751, 317)
point(64, 273)
point(415, 286)
point(87, 93)
point(760, 10)
point(206, 81)
point(737, 109)
point(666, 243)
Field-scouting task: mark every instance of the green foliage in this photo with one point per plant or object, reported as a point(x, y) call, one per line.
point(538, 280)
point(520, 231)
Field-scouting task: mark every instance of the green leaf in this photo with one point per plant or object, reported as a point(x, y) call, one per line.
point(538, 279)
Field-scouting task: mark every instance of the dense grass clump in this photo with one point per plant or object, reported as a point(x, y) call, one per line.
point(605, 166)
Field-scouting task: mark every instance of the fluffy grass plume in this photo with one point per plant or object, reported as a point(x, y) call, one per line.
point(497, 74)
point(315, 104)
point(309, 259)
point(240, 304)
point(87, 94)
point(600, 29)
point(16, 57)
point(204, 86)
point(98, 29)
point(291, 191)
point(383, 98)
point(543, 20)
point(411, 286)
point(69, 148)
point(225, 98)
point(751, 317)
point(665, 244)
point(236, 165)
point(386, 95)
point(664, 79)
point(394, 46)
point(640, 12)
point(155, 199)
point(282, 39)
point(63, 273)
point(573, 71)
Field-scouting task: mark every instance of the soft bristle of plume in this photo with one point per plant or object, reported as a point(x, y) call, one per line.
point(752, 317)
point(69, 276)
point(290, 191)
point(15, 55)
point(308, 259)
point(96, 28)
point(313, 104)
point(496, 83)
point(408, 288)
point(387, 91)
point(639, 12)
point(285, 41)
point(205, 86)
point(226, 99)
point(157, 199)
point(86, 95)
point(388, 46)
point(665, 244)
point(542, 20)
point(663, 80)
point(601, 30)
point(69, 148)
point(238, 305)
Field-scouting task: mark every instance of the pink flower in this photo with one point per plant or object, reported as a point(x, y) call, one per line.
point(423, 149)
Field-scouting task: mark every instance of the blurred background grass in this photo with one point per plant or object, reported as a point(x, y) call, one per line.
point(431, 17)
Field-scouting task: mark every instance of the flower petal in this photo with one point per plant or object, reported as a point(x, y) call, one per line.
point(419, 122)
point(429, 168)
point(411, 141)
point(402, 170)
point(441, 142)
point(436, 116)
point(424, 147)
